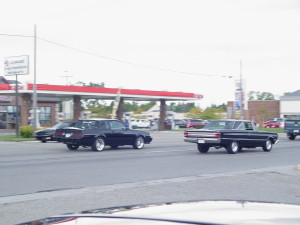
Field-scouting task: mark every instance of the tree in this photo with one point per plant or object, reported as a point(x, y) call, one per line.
point(181, 107)
point(263, 113)
point(257, 95)
point(92, 103)
point(194, 113)
point(211, 113)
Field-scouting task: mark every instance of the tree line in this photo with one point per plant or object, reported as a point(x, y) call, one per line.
point(103, 109)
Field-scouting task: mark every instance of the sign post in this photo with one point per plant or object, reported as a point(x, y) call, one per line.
point(14, 66)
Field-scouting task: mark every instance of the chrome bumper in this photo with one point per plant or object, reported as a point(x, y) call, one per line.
point(203, 140)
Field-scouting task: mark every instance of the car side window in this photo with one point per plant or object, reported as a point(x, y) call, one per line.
point(116, 125)
point(236, 125)
point(242, 126)
point(248, 126)
point(103, 125)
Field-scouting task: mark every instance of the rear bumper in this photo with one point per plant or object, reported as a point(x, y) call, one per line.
point(203, 140)
point(44, 137)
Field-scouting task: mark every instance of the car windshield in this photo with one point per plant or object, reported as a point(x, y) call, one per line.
point(220, 125)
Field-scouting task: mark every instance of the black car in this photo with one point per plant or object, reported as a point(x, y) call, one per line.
point(233, 135)
point(98, 133)
point(48, 133)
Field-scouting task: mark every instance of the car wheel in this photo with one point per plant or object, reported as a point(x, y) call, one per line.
point(202, 148)
point(72, 147)
point(233, 147)
point(292, 137)
point(267, 126)
point(114, 146)
point(43, 141)
point(268, 146)
point(98, 144)
point(139, 143)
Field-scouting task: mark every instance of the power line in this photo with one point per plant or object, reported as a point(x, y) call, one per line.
point(131, 63)
point(15, 35)
point(118, 60)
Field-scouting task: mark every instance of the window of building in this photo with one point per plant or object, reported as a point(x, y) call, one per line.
point(44, 115)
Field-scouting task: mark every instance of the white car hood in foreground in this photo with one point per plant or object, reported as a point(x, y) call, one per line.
point(205, 212)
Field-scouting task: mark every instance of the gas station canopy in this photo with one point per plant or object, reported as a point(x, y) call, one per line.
point(46, 90)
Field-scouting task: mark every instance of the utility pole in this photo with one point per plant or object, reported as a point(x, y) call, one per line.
point(34, 97)
point(67, 77)
point(241, 92)
point(17, 106)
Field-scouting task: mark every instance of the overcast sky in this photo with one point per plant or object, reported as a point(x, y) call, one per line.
point(139, 44)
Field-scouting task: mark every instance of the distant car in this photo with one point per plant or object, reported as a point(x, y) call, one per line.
point(272, 124)
point(292, 128)
point(279, 120)
point(180, 123)
point(193, 123)
point(177, 124)
point(140, 123)
point(48, 133)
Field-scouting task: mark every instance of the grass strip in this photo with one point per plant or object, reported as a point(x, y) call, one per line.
point(15, 139)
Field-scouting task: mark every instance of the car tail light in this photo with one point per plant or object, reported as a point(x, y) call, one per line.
point(186, 134)
point(217, 135)
point(77, 134)
point(58, 133)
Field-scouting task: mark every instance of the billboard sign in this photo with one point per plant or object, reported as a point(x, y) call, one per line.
point(16, 65)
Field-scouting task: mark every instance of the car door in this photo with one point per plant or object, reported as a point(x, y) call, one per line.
point(255, 137)
point(238, 133)
point(120, 135)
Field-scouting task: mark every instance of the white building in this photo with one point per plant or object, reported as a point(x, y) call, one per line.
point(290, 105)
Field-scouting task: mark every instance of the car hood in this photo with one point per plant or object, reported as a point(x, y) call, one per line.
point(204, 212)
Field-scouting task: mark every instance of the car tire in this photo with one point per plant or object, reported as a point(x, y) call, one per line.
point(139, 143)
point(268, 145)
point(72, 147)
point(43, 141)
point(98, 145)
point(202, 148)
point(292, 137)
point(233, 147)
point(267, 126)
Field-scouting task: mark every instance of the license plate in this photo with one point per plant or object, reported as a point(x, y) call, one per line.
point(201, 141)
point(296, 131)
point(68, 135)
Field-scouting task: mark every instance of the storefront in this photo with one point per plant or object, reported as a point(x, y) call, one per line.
point(47, 110)
point(7, 117)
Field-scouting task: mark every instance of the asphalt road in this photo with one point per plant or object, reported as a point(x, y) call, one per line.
point(44, 179)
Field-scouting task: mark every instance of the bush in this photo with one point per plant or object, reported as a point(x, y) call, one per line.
point(26, 131)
